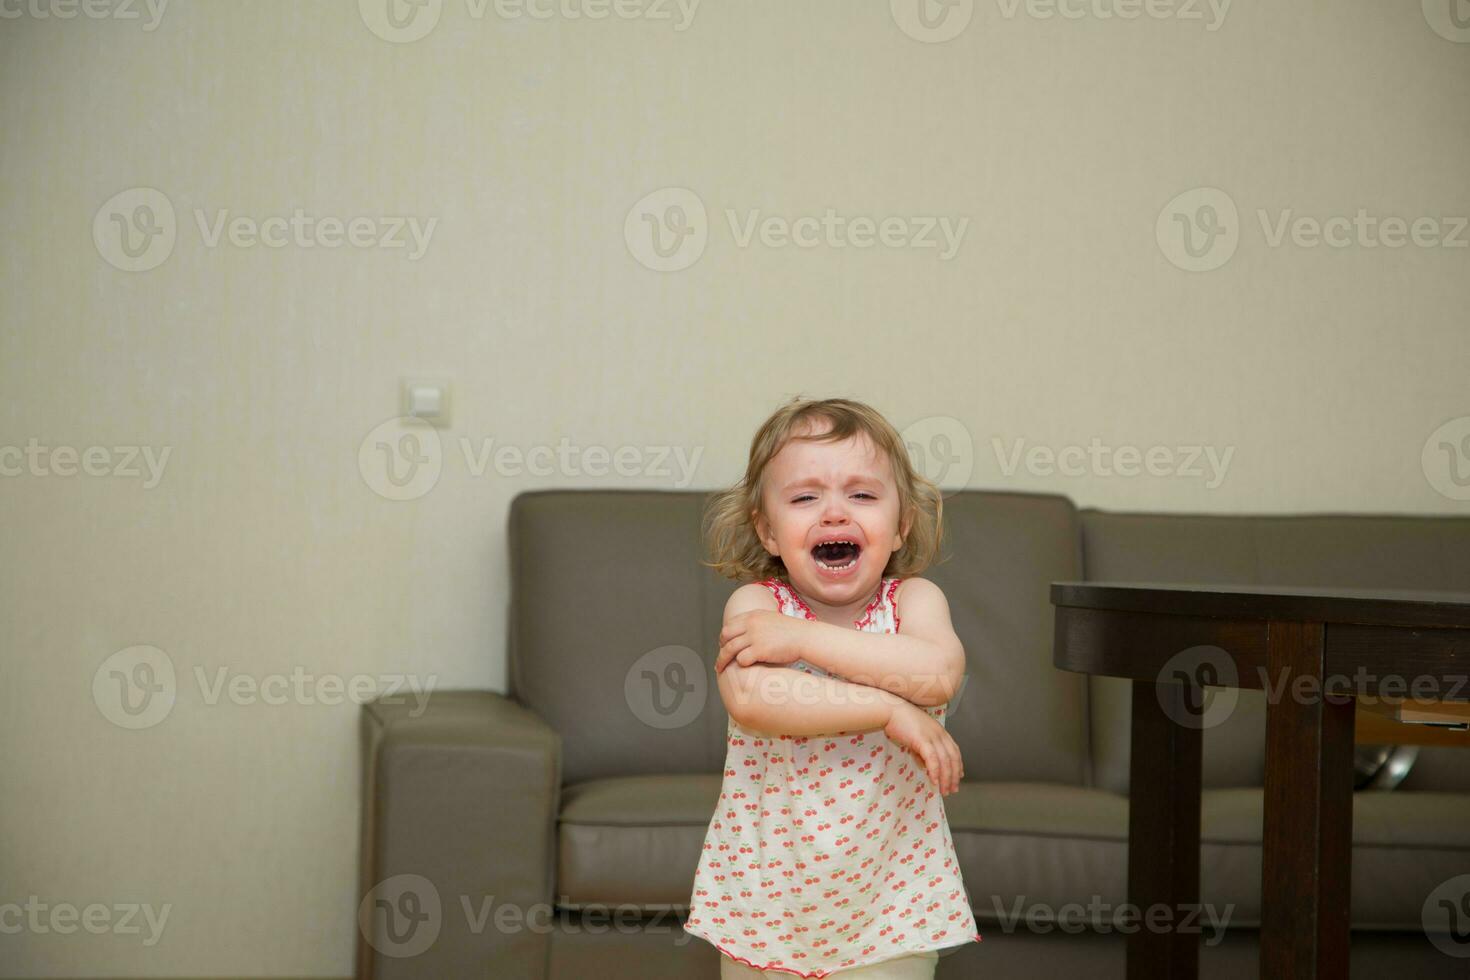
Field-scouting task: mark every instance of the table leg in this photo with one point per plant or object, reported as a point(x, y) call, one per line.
point(1163, 835)
point(1307, 837)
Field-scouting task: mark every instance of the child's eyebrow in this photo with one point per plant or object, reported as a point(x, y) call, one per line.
point(812, 481)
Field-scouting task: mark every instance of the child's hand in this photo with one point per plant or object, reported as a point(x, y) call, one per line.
point(761, 636)
point(916, 730)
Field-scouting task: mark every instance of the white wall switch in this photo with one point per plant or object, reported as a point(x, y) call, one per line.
point(427, 399)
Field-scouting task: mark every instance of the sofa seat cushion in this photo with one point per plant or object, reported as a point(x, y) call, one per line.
point(630, 841)
point(1024, 848)
point(1049, 846)
point(635, 841)
point(1404, 846)
point(1031, 848)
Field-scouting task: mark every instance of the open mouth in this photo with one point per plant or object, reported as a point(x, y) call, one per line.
point(837, 556)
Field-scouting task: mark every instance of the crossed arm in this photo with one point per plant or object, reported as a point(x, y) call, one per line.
point(781, 701)
point(924, 665)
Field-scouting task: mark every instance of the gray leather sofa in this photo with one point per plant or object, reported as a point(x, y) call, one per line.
point(553, 831)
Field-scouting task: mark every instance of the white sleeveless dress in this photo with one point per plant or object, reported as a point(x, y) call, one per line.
point(828, 852)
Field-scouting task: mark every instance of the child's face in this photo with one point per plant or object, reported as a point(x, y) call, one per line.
point(821, 491)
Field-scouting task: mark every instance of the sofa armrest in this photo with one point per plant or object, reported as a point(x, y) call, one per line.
point(460, 797)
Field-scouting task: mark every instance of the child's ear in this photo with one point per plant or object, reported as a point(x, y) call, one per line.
point(762, 530)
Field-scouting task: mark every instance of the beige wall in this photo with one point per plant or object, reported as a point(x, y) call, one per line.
point(264, 549)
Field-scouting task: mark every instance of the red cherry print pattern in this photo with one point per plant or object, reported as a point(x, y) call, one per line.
point(809, 827)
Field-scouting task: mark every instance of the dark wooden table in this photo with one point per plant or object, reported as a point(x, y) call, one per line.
point(1170, 640)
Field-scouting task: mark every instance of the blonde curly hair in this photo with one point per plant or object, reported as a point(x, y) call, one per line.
point(729, 519)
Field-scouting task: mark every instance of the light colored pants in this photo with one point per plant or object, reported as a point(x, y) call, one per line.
point(913, 966)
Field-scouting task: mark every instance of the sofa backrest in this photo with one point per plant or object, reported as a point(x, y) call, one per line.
point(1343, 550)
point(606, 587)
point(601, 579)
